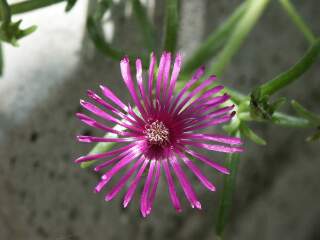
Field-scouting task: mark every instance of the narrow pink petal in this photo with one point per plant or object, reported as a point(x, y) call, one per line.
point(140, 80)
point(134, 184)
point(218, 100)
point(185, 184)
point(138, 120)
point(99, 100)
point(213, 122)
point(109, 94)
point(92, 108)
point(90, 139)
point(151, 75)
point(196, 76)
point(116, 168)
point(200, 116)
point(202, 99)
point(103, 155)
point(93, 123)
point(212, 137)
point(113, 160)
point(197, 172)
point(197, 90)
point(160, 74)
point(117, 188)
point(174, 75)
point(123, 162)
point(144, 203)
point(207, 161)
point(166, 75)
point(212, 147)
point(154, 186)
point(172, 191)
point(214, 102)
point(126, 75)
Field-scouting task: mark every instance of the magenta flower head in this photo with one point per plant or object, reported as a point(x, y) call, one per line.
point(160, 133)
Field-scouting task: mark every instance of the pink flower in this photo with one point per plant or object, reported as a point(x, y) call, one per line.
point(161, 133)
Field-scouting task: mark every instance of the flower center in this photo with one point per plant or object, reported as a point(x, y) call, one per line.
point(157, 133)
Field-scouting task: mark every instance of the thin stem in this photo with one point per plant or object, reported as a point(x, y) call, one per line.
point(31, 5)
point(96, 34)
point(171, 25)
point(145, 24)
point(229, 182)
point(294, 72)
point(297, 20)
point(242, 29)
point(215, 40)
point(5, 12)
point(1, 59)
point(70, 4)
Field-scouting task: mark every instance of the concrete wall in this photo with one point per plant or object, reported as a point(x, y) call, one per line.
point(44, 195)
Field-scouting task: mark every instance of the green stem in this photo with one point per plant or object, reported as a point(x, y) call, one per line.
point(215, 40)
point(145, 24)
point(96, 34)
point(31, 5)
point(70, 4)
point(227, 192)
point(242, 29)
point(171, 25)
point(1, 59)
point(297, 20)
point(5, 12)
point(294, 72)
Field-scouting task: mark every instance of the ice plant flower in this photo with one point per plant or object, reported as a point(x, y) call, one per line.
point(160, 133)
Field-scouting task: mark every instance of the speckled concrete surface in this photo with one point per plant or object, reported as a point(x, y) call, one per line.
point(43, 195)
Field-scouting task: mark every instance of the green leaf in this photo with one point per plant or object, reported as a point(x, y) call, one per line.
point(70, 5)
point(289, 121)
point(145, 24)
point(303, 112)
point(171, 25)
point(229, 182)
point(30, 5)
point(314, 137)
point(250, 134)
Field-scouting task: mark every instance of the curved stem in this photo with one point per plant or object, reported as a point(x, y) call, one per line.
point(294, 72)
point(31, 5)
point(229, 182)
point(171, 25)
point(213, 43)
point(145, 24)
point(245, 25)
point(297, 20)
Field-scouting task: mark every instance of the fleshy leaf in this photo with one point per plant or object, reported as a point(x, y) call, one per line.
point(247, 132)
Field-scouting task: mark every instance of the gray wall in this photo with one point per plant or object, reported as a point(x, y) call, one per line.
point(44, 195)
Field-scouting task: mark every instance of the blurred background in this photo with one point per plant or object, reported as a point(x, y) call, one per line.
point(44, 195)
